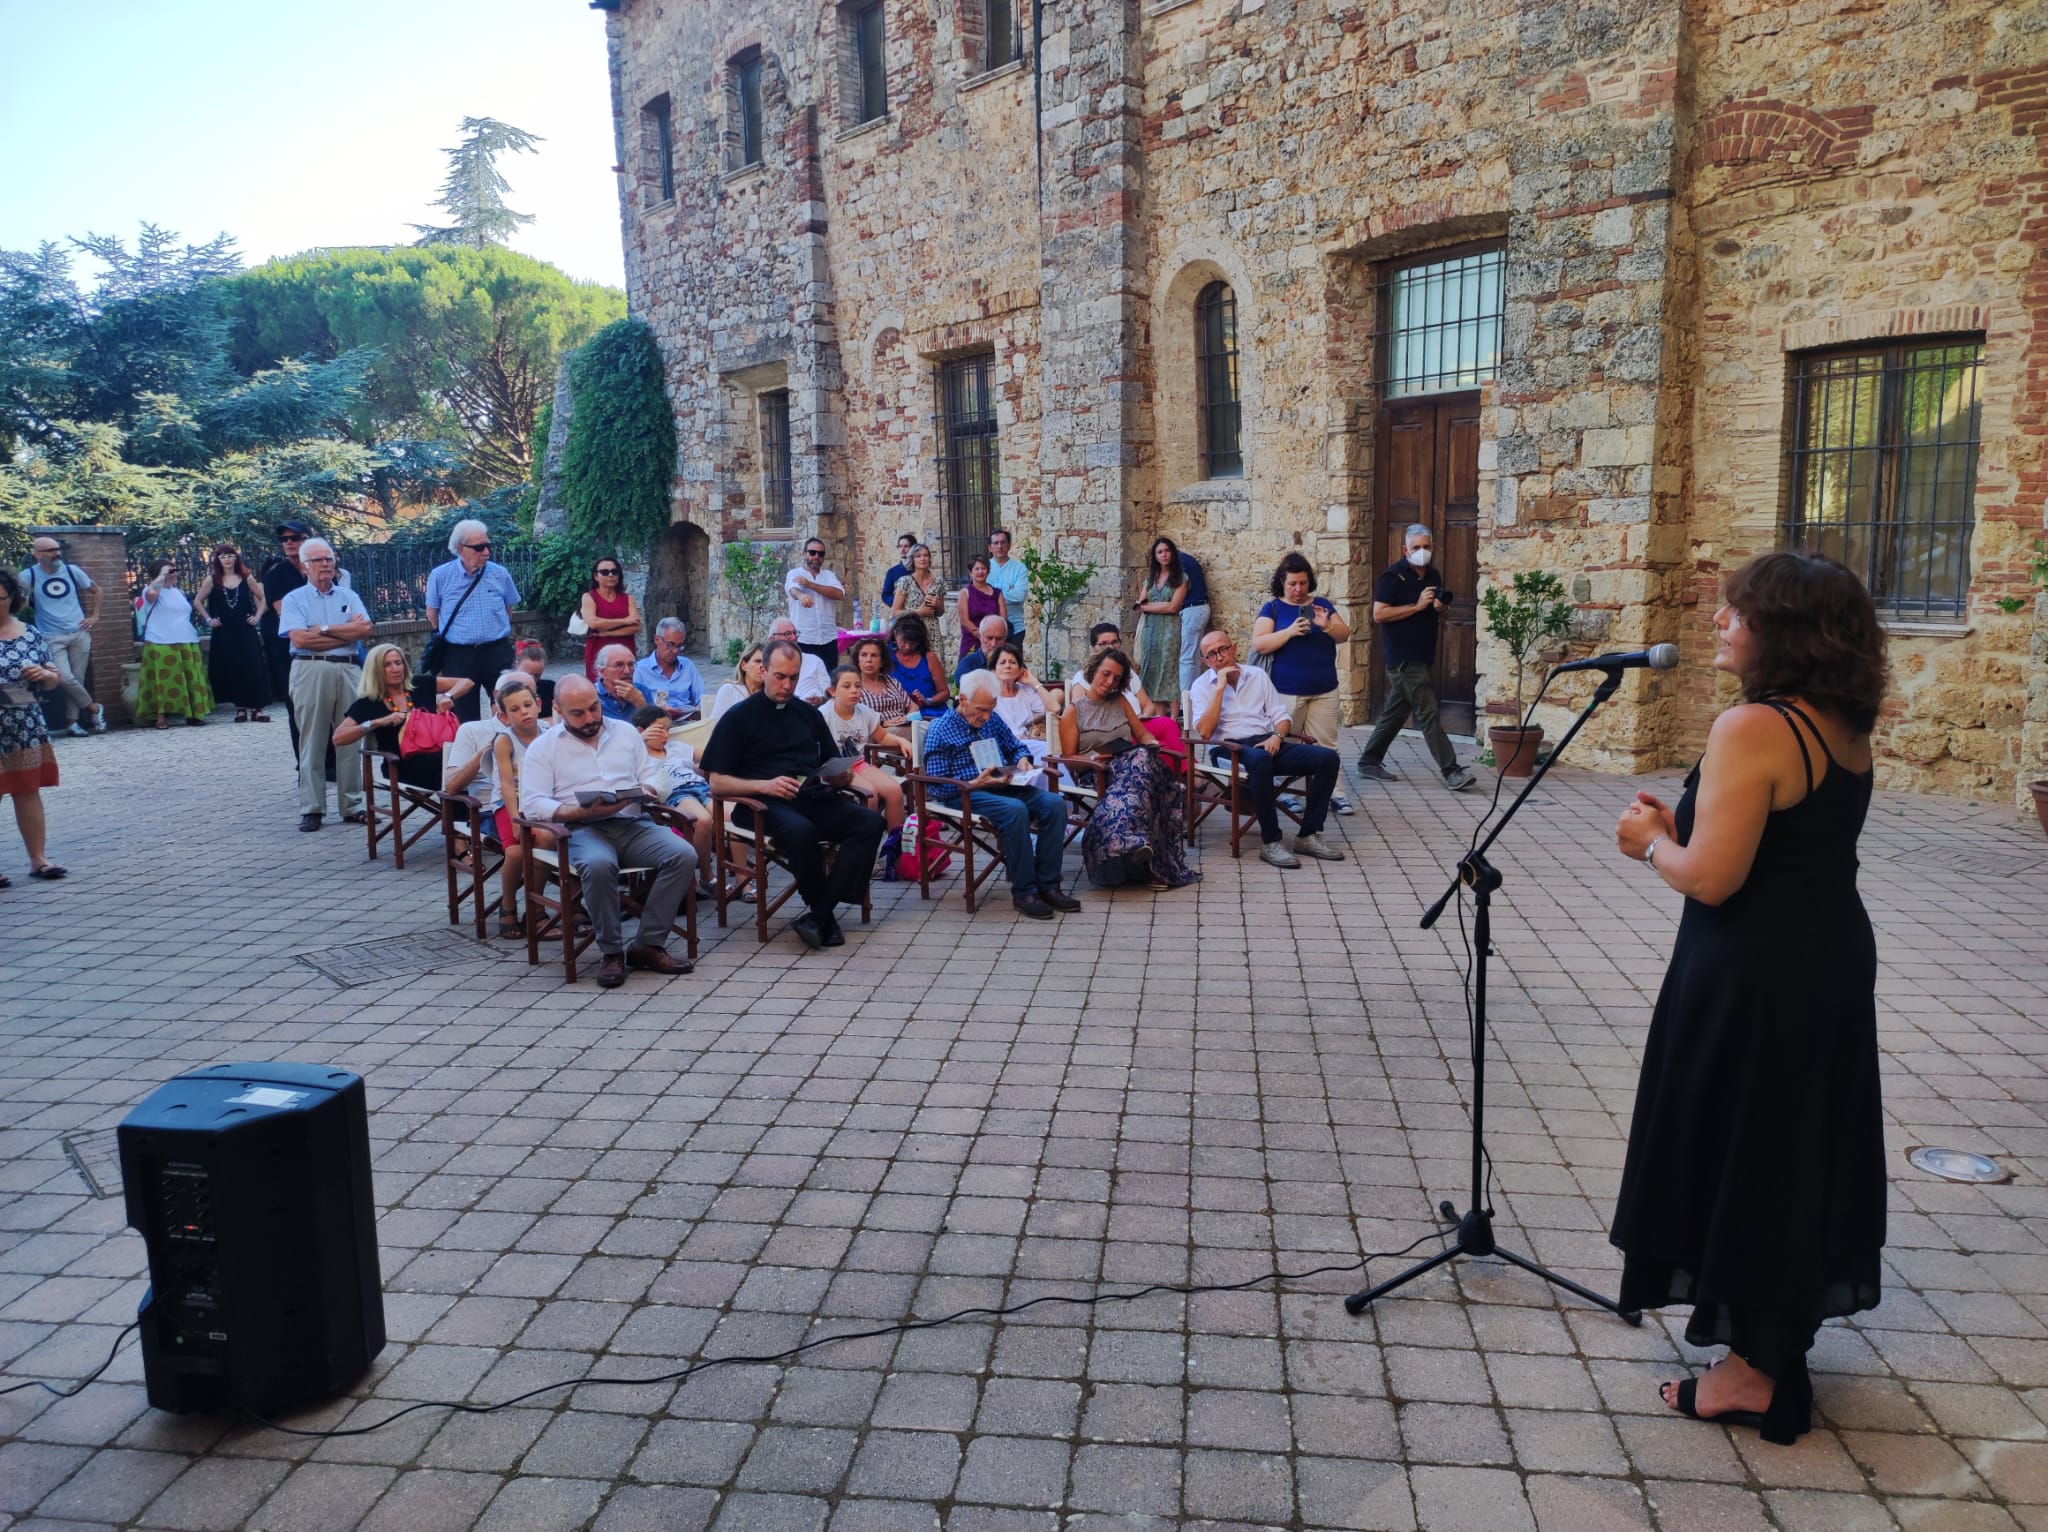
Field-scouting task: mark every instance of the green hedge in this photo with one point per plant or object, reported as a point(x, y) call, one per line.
point(620, 457)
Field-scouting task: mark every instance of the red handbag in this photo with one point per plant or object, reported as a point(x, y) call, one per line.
point(427, 731)
point(922, 840)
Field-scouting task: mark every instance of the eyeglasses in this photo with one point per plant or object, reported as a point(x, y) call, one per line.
point(319, 558)
point(291, 537)
point(613, 572)
point(482, 547)
point(814, 553)
point(1216, 650)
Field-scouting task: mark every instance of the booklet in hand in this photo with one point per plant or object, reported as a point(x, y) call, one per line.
point(988, 755)
point(604, 796)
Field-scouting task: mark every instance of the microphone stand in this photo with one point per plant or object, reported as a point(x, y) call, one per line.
point(1475, 1228)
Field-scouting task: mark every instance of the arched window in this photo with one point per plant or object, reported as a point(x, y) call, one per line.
point(1216, 374)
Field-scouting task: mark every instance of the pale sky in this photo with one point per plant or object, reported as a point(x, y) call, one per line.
point(296, 123)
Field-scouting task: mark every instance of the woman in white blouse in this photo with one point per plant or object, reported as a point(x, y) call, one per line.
point(173, 673)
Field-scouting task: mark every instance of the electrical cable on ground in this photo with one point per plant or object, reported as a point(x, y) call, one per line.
point(65, 1393)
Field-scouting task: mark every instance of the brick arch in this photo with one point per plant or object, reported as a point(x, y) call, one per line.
point(1761, 136)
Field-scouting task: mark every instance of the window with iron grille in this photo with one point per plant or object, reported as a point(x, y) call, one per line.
point(775, 466)
point(1002, 38)
point(1222, 413)
point(870, 82)
point(1883, 462)
point(1440, 323)
point(746, 86)
point(661, 147)
point(969, 455)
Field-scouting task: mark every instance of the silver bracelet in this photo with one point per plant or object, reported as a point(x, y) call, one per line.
point(1650, 851)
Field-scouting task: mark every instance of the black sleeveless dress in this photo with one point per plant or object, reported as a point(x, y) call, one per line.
point(1754, 1188)
point(235, 665)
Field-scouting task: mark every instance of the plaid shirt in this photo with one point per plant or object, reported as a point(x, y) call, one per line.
point(949, 750)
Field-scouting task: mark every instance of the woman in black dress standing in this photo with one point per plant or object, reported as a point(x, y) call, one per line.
point(232, 606)
point(1754, 1188)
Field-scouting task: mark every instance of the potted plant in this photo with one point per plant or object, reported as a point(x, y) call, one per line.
point(1532, 610)
point(1054, 586)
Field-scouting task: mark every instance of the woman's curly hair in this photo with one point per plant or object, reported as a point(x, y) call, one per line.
point(1815, 635)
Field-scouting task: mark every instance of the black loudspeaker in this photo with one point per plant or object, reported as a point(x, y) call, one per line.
point(250, 1184)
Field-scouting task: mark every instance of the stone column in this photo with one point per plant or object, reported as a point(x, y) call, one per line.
point(102, 552)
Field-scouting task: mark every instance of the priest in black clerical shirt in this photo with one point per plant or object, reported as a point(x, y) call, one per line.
point(772, 747)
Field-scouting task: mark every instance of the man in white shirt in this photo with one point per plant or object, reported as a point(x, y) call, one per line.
point(814, 682)
point(588, 753)
point(1009, 576)
point(1236, 703)
point(814, 595)
point(322, 621)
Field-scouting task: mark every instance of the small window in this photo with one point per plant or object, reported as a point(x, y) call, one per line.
point(746, 88)
point(775, 466)
point(1441, 323)
point(1002, 38)
point(970, 455)
point(1216, 378)
point(661, 149)
point(1884, 469)
point(870, 73)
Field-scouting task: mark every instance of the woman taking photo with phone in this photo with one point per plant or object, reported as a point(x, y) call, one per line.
point(173, 674)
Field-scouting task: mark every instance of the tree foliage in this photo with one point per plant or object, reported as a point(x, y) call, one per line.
point(1535, 611)
point(620, 455)
point(473, 195)
point(753, 579)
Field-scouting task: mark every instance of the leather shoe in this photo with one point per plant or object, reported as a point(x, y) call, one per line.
point(1031, 906)
point(808, 932)
point(834, 935)
point(309, 821)
point(657, 960)
point(611, 973)
point(1059, 899)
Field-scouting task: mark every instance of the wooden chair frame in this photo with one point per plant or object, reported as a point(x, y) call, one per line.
point(732, 880)
point(561, 917)
point(965, 833)
point(380, 774)
point(1082, 801)
point(472, 858)
point(1212, 787)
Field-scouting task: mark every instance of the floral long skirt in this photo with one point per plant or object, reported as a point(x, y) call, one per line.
point(173, 683)
point(1145, 806)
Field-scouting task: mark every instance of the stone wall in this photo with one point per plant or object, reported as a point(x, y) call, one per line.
point(1685, 195)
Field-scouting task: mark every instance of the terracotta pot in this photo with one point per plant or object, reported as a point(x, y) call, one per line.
point(2040, 791)
point(1515, 748)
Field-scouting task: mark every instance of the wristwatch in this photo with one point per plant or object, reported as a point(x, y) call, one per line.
point(1650, 851)
point(323, 630)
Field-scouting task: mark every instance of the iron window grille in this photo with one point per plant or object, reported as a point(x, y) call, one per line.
point(1003, 39)
point(1883, 469)
point(870, 64)
point(662, 141)
point(776, 474)
point(1219, 404)
point(746, 73)
point(1441, 323)
point(969, 461)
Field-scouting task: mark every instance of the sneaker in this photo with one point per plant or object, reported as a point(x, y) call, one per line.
point(1060, 899)
point(1373, 771)
point(1313, 845)
point(1339, 804)
point(99, 720)
point(78, 731)
point(1031, 907)
point(1457, 779)
point(1273, 854)
point(1292, 802)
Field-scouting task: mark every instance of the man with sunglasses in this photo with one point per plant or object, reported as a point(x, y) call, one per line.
point(478, 594)
point(814, 595)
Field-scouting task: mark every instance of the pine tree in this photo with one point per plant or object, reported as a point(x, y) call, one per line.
point(474, 193)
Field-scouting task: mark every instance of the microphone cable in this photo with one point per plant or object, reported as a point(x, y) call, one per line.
point(79, 1387)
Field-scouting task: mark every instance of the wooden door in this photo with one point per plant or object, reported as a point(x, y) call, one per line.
point(1427, 469)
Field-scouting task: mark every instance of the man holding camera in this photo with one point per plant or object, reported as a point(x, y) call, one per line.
point(1405, 603)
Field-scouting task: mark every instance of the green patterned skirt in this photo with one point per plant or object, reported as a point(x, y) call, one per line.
point(173, 683)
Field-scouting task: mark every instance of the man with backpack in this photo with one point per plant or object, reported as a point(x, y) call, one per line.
point(67, 604)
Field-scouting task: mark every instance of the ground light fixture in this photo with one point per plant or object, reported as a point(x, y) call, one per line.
point(1957, 1165)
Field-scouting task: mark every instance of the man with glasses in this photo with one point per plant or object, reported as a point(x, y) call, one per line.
point(1237, 703)
point(897, 570)
point(814, 595)
point(1009, 576)
point(478, 594)
point(666, 678)
point(67, 604)
point(322, 621)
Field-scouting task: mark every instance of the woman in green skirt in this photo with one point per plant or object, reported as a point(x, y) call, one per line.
point(173, 673)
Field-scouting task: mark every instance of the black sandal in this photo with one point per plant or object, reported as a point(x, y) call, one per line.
point(1789, 1417)
point(49, 872)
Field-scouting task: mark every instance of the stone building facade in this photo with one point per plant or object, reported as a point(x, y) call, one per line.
point(1754, 264)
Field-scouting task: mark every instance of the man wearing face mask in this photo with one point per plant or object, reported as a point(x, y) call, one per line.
point(1405, 603)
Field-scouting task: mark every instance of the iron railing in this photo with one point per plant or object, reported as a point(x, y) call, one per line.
point(1440, 322)
point(391, 578)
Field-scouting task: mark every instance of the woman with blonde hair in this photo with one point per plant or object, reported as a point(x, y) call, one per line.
point(747, 678)
point(388, 694)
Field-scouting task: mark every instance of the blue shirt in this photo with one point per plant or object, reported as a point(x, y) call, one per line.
point(917, 678)
point(1198, 583)
point(306, 607)
point(615, 707)
point(486, 615)
point(684, 689)
point(55, 595)
point(973, 659)
point(1014, 581)
point(896, 572)
point(949, 752)
point(1304, 666)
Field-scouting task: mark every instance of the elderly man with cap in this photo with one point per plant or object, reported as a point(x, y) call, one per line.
point(814, 685)
point(591, 774)
point(469, 604)
point(666, 678)
point(322, 621)
point(994, 632)
point(67, 604)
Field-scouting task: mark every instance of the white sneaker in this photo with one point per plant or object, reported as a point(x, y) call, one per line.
point(1339, 804)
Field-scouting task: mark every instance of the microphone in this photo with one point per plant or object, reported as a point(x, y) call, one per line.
point(1656, 657)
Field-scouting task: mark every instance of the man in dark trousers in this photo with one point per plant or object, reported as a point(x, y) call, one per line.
point(779, 744)
point(1405, 603)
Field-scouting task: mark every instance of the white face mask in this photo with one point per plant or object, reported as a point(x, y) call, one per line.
point(1419, 557)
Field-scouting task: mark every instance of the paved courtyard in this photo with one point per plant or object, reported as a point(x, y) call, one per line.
point(970, 1111)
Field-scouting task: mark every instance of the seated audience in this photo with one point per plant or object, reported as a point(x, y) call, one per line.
point(771, 748)
point(1159, 723)
point(1138, 832)
point(922, 681)
point(1022, 701)
point(1016, 812)
point(815, 684)
point(854, 727)
point(687, 791)
point(387, 694)
point(471, 765)
point(590, 755)
point(666, 678)
point(746, 680)
point(1236, 703)
point(879, 690)
point(616, 693)
point(994, 631)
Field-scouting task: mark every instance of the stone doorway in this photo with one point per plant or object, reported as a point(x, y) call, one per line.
point(1427, 457)
point(679, 580)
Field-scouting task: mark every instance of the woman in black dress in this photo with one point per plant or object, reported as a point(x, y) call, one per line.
point(1754, 1188)
point(231, 605)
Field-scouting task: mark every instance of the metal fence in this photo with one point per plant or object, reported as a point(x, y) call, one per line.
point(391, 578)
